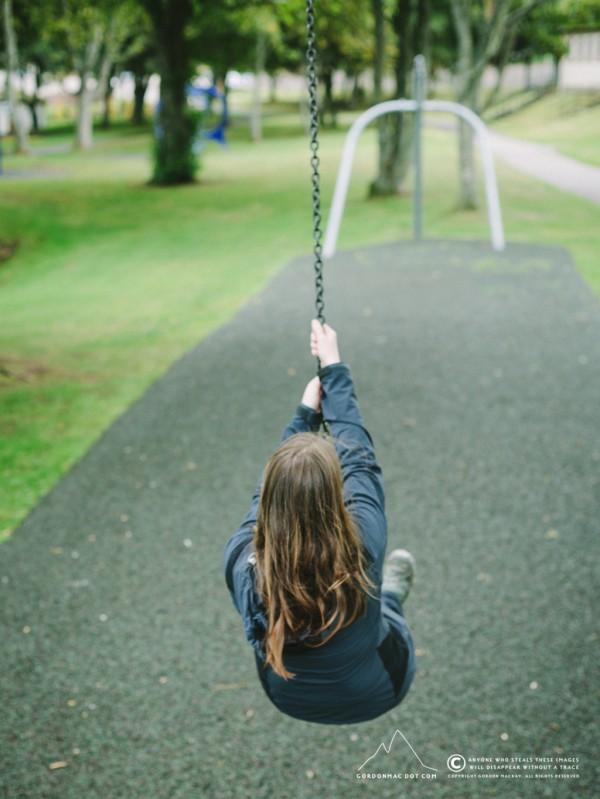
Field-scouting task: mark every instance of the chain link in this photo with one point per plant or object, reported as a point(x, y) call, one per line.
point(311, 57)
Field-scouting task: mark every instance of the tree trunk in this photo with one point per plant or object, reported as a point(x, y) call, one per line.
point(462, 22)
point(328, 103)
point(555, 71)
point(174, 160)
point(393, 161)
point(421, 28)
point(479, 41)
point(19, 119)
point(467, 197)
point(35, 104)
point(107, 110)
point(502, 61)
point(273, 92)
point(379, 59)
point(104, 89)
point(259, 68)
point(84, 137)
point(141, 84)
point(395, 131)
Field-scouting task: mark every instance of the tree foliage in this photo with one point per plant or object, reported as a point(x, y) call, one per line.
point(580, 15)
point(344, 40)
point(86, 38)
point(172, 37)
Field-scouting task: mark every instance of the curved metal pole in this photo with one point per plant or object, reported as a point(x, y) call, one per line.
point(394, 106)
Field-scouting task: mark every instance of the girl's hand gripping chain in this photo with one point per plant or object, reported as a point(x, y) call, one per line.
point(323, 343)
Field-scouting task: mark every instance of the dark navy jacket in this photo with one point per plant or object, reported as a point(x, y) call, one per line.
point(365, 669)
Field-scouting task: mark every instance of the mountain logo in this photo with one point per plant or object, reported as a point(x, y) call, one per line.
point(388, 748)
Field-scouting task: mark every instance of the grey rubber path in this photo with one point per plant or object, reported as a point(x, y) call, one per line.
point(542, 161)
point(124, 670)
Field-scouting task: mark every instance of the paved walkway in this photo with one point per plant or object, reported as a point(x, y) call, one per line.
point(542, 161)
point(124, 673)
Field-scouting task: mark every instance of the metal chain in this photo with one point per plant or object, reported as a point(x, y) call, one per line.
point(311, 57)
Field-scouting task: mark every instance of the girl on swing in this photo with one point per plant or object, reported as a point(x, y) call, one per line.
point(306, 569)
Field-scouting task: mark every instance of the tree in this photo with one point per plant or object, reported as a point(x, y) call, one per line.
point(287, 48)
point(344, 41)
point(409, 25)
point(237, 35)
point(379, 52)
point(30, 20)
point(481, 30)
point(95, 36)
point(84, 29)
point(539, 33)
point(19, 119)
point(86, 38)
point(224, 36)
point(185, 32)
point(580, 15)
point(174, 160)
point(142, 64)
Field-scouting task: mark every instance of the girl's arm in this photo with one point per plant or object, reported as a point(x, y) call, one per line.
point(363, 485)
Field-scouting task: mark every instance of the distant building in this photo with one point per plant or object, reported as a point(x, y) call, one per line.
point(580, 68)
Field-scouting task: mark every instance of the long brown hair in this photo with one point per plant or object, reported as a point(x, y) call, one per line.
point(311, 571)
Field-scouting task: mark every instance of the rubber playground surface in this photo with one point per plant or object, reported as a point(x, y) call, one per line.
point(124, 670)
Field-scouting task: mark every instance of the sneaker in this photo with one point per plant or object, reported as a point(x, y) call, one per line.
point(398, 573)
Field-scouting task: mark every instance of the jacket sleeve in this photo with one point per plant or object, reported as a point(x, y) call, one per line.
point(304, 420)
point(363, 483)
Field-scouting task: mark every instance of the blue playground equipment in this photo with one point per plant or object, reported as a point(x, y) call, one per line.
point(204, 97)
point(207, 95)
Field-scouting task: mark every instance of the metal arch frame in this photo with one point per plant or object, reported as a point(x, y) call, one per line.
point(392, 106)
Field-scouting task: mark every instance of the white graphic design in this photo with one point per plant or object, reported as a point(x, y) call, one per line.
point(456, 763)
point(388, 748)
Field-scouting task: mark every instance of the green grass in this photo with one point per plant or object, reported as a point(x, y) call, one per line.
point(113, 280)
point(568, 121)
